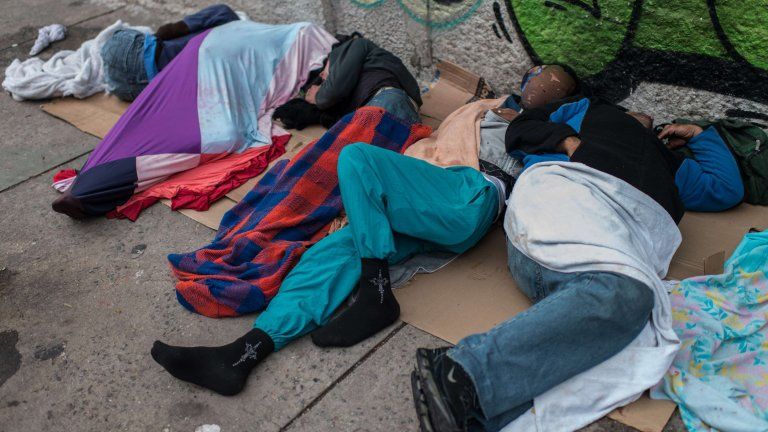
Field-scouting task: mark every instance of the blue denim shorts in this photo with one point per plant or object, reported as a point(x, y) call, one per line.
point(396, 102)
point(124, 70)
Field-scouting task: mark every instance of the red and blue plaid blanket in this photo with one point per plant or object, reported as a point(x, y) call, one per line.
point(262, 238)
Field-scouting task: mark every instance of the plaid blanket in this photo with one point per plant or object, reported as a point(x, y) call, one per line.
point(262, 238)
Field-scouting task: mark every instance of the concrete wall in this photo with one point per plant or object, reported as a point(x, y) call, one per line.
point(669, 59)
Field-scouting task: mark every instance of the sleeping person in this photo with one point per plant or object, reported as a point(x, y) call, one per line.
point(132, 58)
point(441, 196)
point(203, 125)
point(357, 73)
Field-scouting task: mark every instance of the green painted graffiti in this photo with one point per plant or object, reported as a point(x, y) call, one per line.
point(708, 44)
point(436, 14)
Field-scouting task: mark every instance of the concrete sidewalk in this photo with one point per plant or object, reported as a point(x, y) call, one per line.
point(80, 307)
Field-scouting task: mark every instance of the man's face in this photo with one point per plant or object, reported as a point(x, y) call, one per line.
point(544, 84)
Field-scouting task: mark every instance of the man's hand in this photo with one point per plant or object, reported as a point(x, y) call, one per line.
point(569, 145)
point(324, 73)
point(311, 95)
point(507, 114)
point(172, 30)
point(679, 134)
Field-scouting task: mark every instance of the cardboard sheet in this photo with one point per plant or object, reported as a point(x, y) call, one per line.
point(95, 115)
point(211, 217)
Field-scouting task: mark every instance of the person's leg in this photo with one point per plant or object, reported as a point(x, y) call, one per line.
point(124, 70)
point(320, 282)
point(396, 102)
point(386, 194)
point(587, 318)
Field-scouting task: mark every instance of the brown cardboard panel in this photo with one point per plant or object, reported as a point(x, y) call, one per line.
point(470, 295)
point(94, 115)
point(443, 98)
point(645, 414)
point(211, 217)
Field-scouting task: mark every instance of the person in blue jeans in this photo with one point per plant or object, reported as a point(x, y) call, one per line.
point(578, 319)
point(132, 58)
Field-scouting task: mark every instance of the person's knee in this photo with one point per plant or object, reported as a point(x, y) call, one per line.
point(625, 302)
point(353, 159)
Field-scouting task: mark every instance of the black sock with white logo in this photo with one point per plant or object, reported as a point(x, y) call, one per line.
point(223, 369)
point(374, 309)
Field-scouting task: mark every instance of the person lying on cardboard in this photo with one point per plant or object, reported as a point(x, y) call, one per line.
point(589, 239)
point(357, 73)
point(132, 59)
point(428, 208)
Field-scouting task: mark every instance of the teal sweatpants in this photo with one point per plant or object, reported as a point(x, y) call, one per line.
point(397, 206)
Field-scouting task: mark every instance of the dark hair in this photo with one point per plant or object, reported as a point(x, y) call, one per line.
point(298, 114)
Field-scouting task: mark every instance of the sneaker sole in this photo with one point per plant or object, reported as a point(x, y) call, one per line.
point(439, 412)
point(420, 403)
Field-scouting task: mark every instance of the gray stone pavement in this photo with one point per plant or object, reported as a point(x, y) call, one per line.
point(79, 311)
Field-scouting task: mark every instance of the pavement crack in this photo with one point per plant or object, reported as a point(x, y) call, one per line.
point(84, 20)
point(58, 166)
point(344, 375)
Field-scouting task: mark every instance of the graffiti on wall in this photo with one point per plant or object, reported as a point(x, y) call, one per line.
point(437, 14)
point(719, 46)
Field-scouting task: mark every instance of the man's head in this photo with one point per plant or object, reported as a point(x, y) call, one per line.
point(547, 83)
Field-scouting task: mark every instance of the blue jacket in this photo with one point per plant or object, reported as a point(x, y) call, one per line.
point(710, 181)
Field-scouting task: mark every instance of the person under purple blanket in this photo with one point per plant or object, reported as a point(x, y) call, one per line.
point(132, 58)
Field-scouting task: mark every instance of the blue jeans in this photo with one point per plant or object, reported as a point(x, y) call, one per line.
point(124, 70)
point(396, 102)
point(578, 321)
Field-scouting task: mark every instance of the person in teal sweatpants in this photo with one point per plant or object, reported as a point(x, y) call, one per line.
point(397, 206)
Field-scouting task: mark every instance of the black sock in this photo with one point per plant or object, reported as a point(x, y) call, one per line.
point(223, 369)
point(374, 309)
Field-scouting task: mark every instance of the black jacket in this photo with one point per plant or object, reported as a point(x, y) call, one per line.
point(611, 141)
point(358, 69)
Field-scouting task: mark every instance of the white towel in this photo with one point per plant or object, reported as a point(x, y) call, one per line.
point(68, 73)
point(571, 218)
point(46, 36)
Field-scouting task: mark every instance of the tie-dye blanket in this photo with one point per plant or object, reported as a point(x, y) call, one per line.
point(262, 238)
point(720, 375)
point(208, 111)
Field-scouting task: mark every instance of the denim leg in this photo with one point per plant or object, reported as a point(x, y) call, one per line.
point(397, 103)
point(124, 70)
point(581, 320)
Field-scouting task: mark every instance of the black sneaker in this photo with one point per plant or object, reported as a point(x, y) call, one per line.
point(450, 396)
point(420, 403)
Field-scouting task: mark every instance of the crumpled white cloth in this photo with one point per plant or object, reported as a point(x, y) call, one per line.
point(46, 36)
point(569, 217)
point(68, 73)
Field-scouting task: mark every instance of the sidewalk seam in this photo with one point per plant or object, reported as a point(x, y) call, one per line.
point(68, 25)
point(344, 375)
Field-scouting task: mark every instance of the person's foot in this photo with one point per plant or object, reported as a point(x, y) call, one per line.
point(374, 309)
point(444, 395)
point(69, 205)
point(223, 369)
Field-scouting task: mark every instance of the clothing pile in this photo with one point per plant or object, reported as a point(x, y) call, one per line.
point(262, 238)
